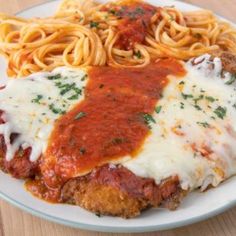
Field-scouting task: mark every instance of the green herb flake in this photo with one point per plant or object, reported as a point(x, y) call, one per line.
point(210, 99)
point(117, 140)
point(67, 88)
point(198, 107)
point(80, 115)
point(94, 24)
point(83, 78)
point(73, 97)
point(220, 112)
point(232, 79)
point(112, 11)
point(181, 105)
point(54, 77)
point(139, 10)
point(198, 99)
point(181, 83)
point(158, 109)
point(203, 124)
point(148, 119)
point(56, 110)
point(186, 96)
point(82, 150)
point(37, 99)
point(138, 54)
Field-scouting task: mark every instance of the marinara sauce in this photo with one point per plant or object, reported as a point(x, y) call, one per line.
point(133, 18)
point(107, 125)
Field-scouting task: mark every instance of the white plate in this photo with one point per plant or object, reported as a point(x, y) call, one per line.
point(195, 207)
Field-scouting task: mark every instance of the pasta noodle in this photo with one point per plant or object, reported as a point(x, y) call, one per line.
point(83, 32)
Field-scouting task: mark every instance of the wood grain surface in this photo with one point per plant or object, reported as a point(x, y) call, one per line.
point(15, 222)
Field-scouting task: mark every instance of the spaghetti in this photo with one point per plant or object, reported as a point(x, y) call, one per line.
point(121, 34)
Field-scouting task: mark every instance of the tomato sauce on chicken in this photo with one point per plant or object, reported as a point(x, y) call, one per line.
point(109, 124)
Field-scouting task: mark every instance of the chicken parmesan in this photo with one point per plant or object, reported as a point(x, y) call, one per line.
point(118, 107)
point(117, 141)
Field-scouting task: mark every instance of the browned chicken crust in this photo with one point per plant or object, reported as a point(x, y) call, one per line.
point(228, 60)
point(111, 190)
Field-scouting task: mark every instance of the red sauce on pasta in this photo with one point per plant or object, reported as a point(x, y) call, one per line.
point(107, 125)
point(134, 18)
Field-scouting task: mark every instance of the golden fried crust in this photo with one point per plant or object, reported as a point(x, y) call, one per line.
point(105, 192)
point(106, 200)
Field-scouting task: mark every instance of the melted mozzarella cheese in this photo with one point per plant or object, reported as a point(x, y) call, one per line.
point(31, 106)
point(194, 136)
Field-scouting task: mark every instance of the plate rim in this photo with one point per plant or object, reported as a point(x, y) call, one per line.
point(115, 229)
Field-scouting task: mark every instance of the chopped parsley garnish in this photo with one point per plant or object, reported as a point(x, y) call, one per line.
point(220, 112)
point(83, 78)
point(203, 124)
point(73, 97)
point(37, 99)
point(148, 119)
point(54, 77)
point(138, 54)
point(80, 115)
point(158, 109)
point(94, 24)
point(198, 99)
point(186, 96)
point(232, 80)
point(181, 82)
point(58, 84)
point(234, 105)
point(82, 150)
point(67, 88)
point(117, 140)
point(112, 11)
point(198, 107)
point(139, 10)
point(210, 99)
point(181, 105)
point(56, 110)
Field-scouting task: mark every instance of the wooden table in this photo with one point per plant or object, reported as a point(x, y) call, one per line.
point(15, 222)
